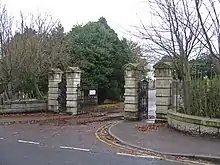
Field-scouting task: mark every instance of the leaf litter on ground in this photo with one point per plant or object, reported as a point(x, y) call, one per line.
point(150, 127)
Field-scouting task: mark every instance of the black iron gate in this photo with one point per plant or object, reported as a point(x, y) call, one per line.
point(87, 100)
point(143, 99)
point(62, 94)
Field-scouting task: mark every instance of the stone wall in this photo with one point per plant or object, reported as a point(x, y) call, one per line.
point(23, 106)
point(193, 124)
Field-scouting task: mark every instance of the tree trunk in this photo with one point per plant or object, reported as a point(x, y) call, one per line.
point(9, 90)
point(39, 95)
point(186, 87)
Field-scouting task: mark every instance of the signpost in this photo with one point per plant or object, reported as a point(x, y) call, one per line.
point(92, 92)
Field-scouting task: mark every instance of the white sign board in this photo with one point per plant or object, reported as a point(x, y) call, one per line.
point(92, 92)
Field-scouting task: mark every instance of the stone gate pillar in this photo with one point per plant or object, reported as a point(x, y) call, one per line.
point(163, 75)
point(73, 77)
point(54, 79)
point(131, 92)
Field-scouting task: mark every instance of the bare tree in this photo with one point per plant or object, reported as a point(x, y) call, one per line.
point(138, 54)
point(5, 36)
point(38, 44)
point(174, 32)
point(210, 24)
point(136, 48)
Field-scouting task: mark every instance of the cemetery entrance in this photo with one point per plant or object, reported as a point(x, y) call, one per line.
point(146, 100)
point(143, 99)
point(87, 100)
point(62, 94)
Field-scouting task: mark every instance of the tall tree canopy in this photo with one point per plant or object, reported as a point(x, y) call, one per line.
point(29, 54)
point(98, 51)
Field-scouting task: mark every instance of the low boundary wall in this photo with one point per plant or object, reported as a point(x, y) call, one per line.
point(23, 106)
point(193, 124)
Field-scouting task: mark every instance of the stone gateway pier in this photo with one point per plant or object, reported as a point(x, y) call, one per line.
point(131, 92)
point(140, 99)
point(72, 78)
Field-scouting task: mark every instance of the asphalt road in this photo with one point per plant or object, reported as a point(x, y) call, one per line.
point(31, 144)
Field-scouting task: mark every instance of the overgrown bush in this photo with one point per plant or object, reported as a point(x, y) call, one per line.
point(204, 98)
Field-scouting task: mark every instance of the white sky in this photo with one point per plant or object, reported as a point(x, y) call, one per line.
point(120, 14)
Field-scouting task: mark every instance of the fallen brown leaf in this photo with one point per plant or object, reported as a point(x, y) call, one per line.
point(150, 127)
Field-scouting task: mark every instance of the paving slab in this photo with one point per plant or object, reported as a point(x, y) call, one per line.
point(166, 140)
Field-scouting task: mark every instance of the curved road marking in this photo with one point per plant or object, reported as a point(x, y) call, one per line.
point(113, 144)
point(74, 148)
point(28, 142)
point(137, 156)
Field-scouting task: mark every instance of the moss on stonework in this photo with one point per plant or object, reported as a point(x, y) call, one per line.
point(194, 119)
point(212, 123)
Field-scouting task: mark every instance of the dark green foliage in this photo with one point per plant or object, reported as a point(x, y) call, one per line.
point(203, 66)
point(98, 51)
point(94, 47)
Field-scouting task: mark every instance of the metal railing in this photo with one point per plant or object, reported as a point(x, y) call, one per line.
point(199, 97)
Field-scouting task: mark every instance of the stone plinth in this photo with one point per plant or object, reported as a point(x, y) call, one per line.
point(73, 76)
point(131, 92)
point(54, 78)
point(163, 75)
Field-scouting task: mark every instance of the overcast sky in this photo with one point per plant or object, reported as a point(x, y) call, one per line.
point(120, 14)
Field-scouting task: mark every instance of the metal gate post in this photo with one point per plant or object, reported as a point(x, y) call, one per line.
point(143, 99)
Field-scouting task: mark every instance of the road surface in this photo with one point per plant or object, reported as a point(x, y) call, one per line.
point(32, 144)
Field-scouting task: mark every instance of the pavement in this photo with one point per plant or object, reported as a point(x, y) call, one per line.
point(34, 144)
point(166, 140)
